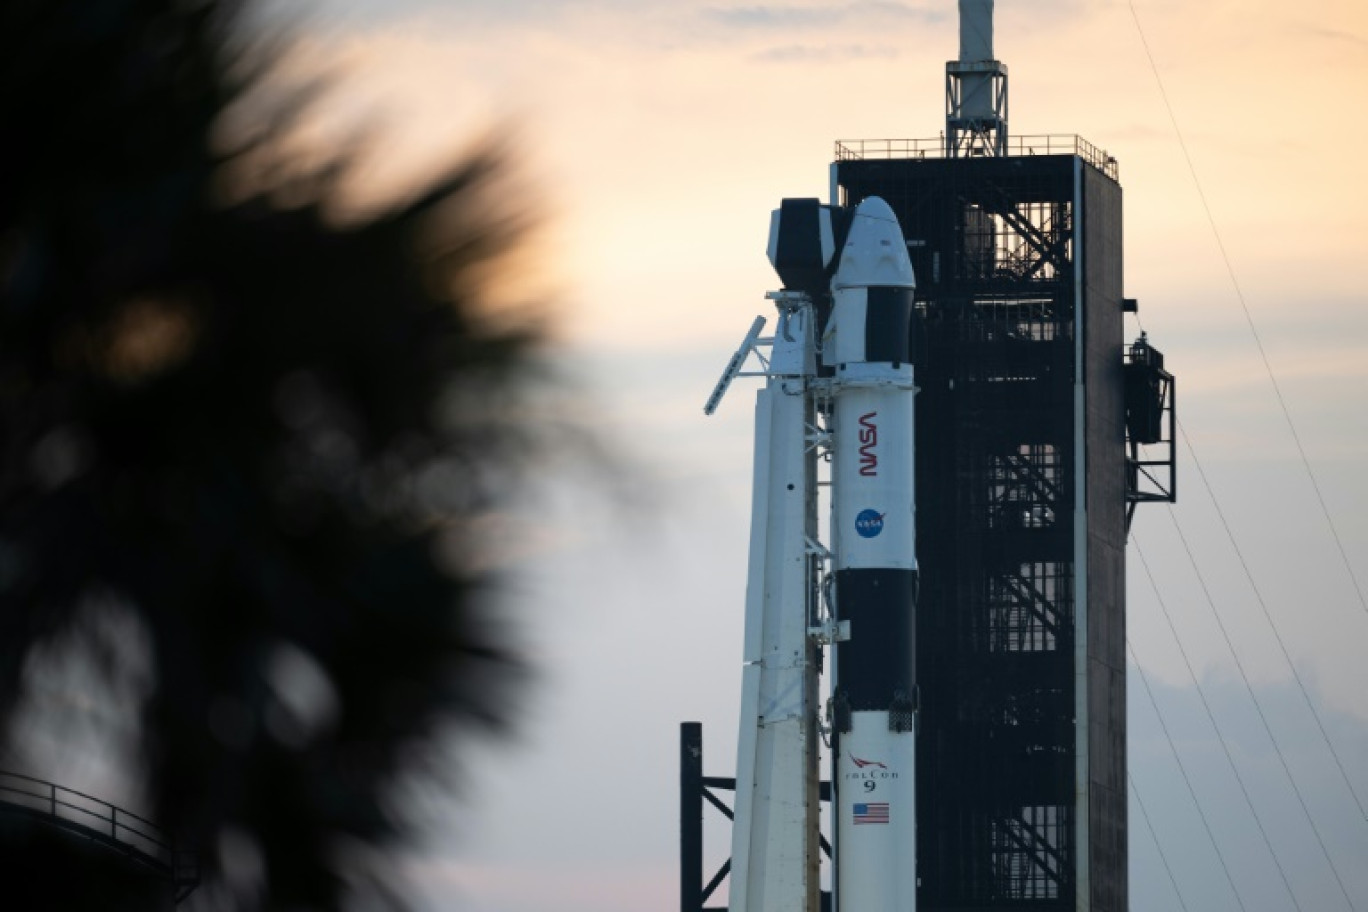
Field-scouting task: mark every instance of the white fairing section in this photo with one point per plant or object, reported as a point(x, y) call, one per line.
point(774, 835)
point(874, 255)
point(874, 252)
point(872, 475)
point(845, 336)
point(876, 834)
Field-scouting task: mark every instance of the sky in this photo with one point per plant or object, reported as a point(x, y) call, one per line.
point(656, 138)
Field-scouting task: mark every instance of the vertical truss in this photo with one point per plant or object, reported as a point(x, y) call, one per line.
point(698, 792)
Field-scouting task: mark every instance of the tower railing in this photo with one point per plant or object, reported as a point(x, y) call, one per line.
point(136, 837)
point(935, 147)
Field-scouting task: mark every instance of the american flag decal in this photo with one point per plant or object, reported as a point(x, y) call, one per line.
point(874, 812)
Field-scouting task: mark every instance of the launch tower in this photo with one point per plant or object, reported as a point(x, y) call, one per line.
point(1037, 432)
point(1021, 519)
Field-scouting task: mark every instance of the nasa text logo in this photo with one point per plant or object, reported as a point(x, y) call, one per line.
point(869, 442)
point(869, 523)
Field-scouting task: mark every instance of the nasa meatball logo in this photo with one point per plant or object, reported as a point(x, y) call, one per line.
point(869, 523)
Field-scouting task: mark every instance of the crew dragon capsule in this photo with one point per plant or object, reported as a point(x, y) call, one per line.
point(839, 384)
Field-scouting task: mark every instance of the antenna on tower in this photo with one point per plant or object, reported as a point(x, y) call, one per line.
point(975, 88)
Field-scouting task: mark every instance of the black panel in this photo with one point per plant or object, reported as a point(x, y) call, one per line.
point(798, 249)
point(1145, 400)
point(877, 664)
point(887, 316)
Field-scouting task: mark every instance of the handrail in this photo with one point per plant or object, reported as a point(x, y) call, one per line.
point(133, 834)
point(1026, 144)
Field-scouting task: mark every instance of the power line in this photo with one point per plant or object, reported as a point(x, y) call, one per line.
point(1277, 749)
point(1249, 318)
point(1144, 814)
point(1258, 596)
point(1187, 781)
point(1306, 464)
point(1211, 717)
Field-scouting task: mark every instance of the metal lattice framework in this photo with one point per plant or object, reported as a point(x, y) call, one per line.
point(1019, 313)
point(698, 792)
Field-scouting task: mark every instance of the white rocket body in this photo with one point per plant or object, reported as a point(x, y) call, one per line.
point(860, 405)
point(874, 534)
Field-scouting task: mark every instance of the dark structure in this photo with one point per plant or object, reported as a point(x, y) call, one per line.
point(1022, 490)
point(64, 849)
point(696, 792)
point(1038, 432)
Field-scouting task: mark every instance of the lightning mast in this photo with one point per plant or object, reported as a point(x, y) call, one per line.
point(975, 88)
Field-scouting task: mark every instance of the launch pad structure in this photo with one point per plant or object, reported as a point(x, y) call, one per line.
point(1021, 497)
point(1038, 430)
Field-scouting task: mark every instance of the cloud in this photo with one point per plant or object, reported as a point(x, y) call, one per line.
point(1321, 808)
point(804, 53)
point(470, 17)
point(789, 17)
point(509, 888)
point(1338, 36)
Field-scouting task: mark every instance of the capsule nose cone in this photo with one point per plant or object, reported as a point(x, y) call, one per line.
point(874, 207)
point(875, 252)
